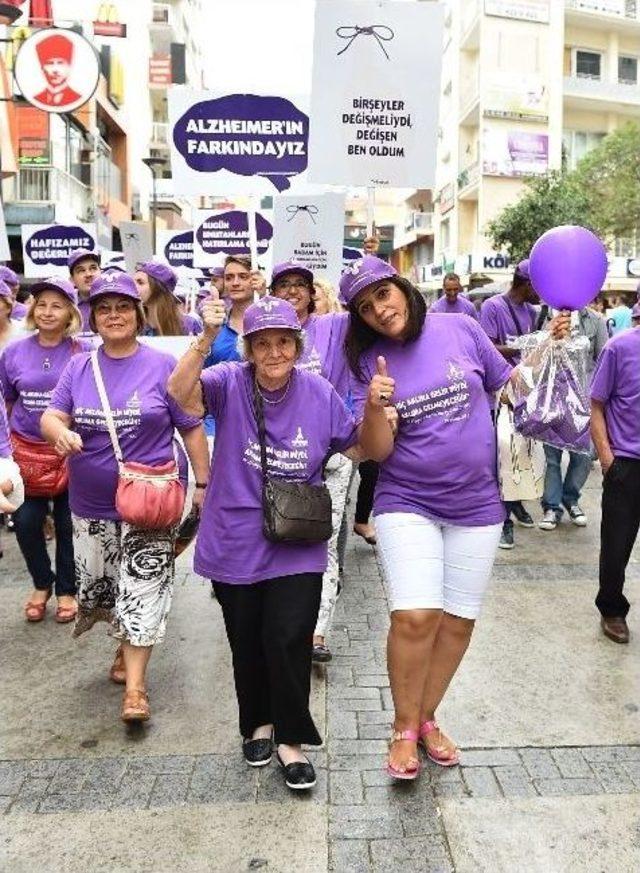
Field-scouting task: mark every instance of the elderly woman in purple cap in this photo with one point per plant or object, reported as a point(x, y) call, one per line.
point(84, 269)
point(156, 284)
point(124, 572)
point(7, 275)
point(437, 503)
point(29, 371)
point(269, 591)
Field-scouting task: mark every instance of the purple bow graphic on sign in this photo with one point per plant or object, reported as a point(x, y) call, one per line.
point(380, 32)
point(310, 210)
point(245, 134)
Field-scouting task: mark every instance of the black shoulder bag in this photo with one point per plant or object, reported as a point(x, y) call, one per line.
point(294, 512)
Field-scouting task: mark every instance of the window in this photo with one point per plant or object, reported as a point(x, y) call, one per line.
point(587, 64)
point(577, 143)
point(627, 70)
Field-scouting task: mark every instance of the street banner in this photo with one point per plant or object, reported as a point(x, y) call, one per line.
point(310, 229)
point(220, 232)
point(375, 93)
point(57, 70)
point(175, 247)
point(514, 152)
point(236, 143)
point(46, 247)
point(136, 243)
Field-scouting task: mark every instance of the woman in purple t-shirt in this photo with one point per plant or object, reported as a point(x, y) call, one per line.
point(269, 592)
point(29, 371)
point(156, 283)
point(124, 573)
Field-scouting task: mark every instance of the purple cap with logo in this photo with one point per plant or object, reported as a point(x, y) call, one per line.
point(286, 267)
point(55, 283)
point(7, 275)
point(362, 273)
point(217, 273)
point(270, 312)
point(5, 291)
point(80, 255)
point(635, 312)
point(523, 269)
point(114, 282)
point(161, 273)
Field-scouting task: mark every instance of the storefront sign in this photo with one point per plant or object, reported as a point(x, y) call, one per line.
point(524, 98)
point(309, 229)
point(107, 22)
point(239, 143)
point(33, 136)
point(490, 262)
point(160, 70)
point(375, 93)
point(57, 70)
point(46, 247)
point(514, 153)
point(522, 10)
point(219, 233)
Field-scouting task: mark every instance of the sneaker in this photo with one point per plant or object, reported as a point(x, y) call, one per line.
point(522, 516)
point(577, 516)
point(506, 540)
point(549, 520)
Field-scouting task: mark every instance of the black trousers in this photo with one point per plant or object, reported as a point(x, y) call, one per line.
point(364, 502)
point(618, 532)
point(270, 628)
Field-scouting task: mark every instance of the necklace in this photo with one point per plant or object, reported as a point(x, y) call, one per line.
point(280, 399)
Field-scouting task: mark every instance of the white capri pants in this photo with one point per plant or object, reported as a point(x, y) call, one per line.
point(430, 565)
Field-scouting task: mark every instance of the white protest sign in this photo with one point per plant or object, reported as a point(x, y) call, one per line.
point(375, 93)
point(235, 143)
point(46, 247)
point(310, 229)
point(136, 243)
point(221, 232)
point(175, 248)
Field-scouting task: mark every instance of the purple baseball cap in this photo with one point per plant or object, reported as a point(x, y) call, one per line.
point(161, 273)
point(286, 267)
point(114, 282)
point(5, 291)
point(523, 269)
point(362, 273)
point(80, 255)
point(635, 312)
point(270, 312)
point(56, 283)
point(216, 273)
point(7, 275)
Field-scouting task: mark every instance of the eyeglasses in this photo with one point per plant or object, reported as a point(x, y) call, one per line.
point(120, 308)
point(295, 284)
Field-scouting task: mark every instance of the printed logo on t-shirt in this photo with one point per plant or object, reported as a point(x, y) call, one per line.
point(283, 463)
point(134, 401)
point(35, 401)
point(449, 401)
point(127, 421)
point(313, 363)
point(299, 440)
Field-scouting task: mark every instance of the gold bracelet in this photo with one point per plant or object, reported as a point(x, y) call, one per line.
point(197, 348)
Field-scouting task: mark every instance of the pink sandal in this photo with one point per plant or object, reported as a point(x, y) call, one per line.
point(444, 758)
point(411, 772)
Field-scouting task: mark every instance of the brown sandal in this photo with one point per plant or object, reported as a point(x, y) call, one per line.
point(65, 614)
point(135, 706)
point(117, 672)
point(36, 611)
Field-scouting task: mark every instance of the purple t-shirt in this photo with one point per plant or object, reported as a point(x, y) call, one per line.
point(192, 325)
point(461, 306)
point(5, 442)
point(29, 372)
point(499, 323)
point(19, 310)
point(443, 465)
point(324, 349)
point(144, 414)
point(85, 312)
point(301, 430)
point(616, 383)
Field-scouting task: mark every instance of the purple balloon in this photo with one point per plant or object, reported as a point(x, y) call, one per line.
point(568, 266)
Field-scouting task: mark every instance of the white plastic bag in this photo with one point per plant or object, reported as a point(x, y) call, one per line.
point(10, 470)
point(521, 461)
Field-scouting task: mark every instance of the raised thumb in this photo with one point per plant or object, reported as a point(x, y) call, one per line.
point(214, 294)
point(382, 366)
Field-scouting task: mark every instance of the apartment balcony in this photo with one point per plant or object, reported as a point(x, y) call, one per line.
point(470, 25)
point(619, 15)
point(469, 182)
point(593, 94)
point(162, 26)
point(46, 185)
point(416, 225)
point(470, 102)
point(160, 135)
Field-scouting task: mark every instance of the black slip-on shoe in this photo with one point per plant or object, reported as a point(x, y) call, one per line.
point(257, 753)
point(298, 776)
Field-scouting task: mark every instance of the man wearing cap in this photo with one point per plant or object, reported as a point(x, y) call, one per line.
point(216, 277)
point(452, 300)
point(55, 54)
point(84, 268)
point(505, 316)
point(11, 279)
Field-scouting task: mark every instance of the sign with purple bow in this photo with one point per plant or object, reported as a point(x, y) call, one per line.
point(236, 143)
point(375, 93)
point(309, 229)
point(46, 247)
point(221, 232)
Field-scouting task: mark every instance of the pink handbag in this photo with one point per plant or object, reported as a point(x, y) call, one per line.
point(146, 497)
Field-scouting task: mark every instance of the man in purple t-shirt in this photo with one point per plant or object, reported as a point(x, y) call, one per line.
point(503, 317)
point(452, 300)
point(615, 430)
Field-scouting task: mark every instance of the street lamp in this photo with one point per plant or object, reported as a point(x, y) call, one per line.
point(155, 164)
